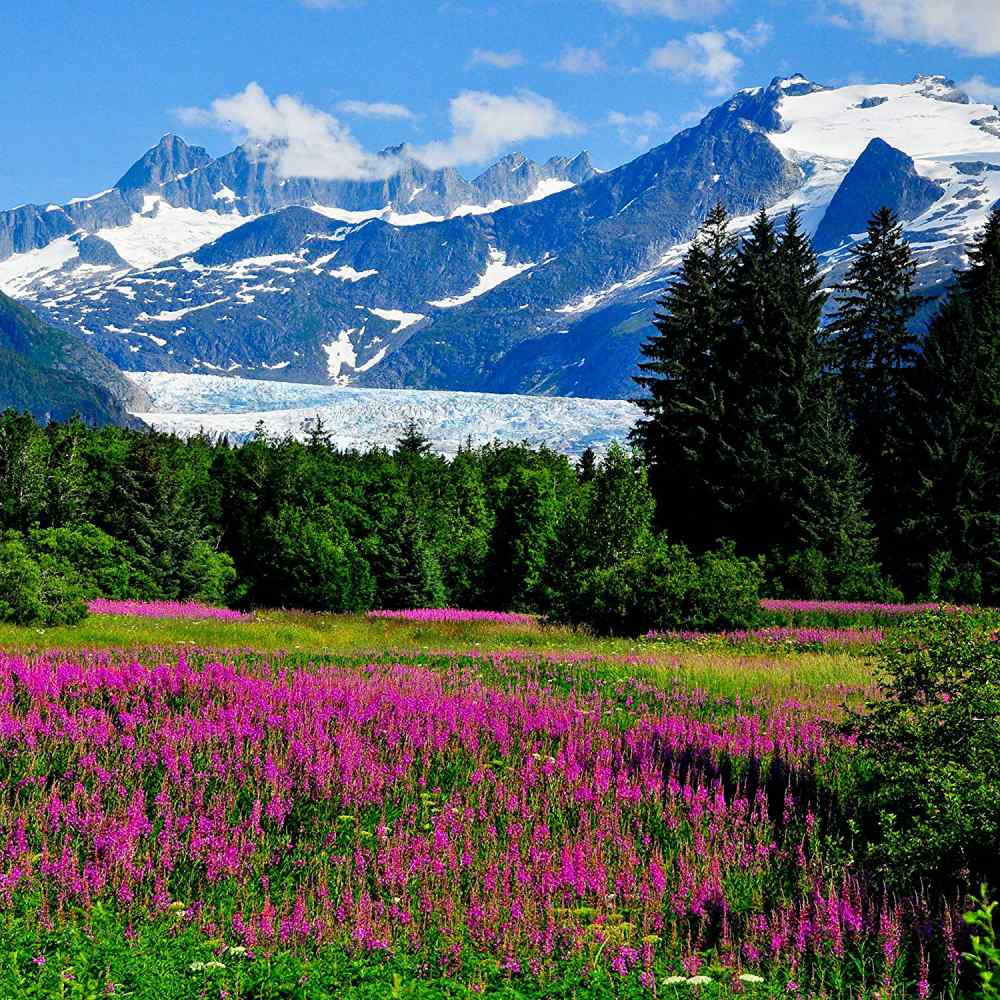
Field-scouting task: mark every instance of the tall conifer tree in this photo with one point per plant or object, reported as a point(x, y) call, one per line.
point(954, 525)
point(683, 414)
point(874, 351)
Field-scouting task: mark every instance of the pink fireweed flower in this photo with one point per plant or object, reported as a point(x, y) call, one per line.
point(444, 615)
point(162, 609)
point(848, 608)
point(798, 636)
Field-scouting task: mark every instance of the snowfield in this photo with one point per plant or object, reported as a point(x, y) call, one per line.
point(362, 418)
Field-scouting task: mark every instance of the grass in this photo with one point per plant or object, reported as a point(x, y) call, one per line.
point(736, 673)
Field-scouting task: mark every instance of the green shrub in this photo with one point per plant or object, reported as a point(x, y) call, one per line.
point(38, 589)
point(984, 958)
point(925, 777)
point(811, 574)
point(315, 565)
point(666, 587)
point(208, 575)
point(106, 566)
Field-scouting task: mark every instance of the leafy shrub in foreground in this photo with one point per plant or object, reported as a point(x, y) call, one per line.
point(985, 955)
point(929, 754)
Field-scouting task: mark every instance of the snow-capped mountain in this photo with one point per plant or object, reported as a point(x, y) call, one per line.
point(529, 279)
point(176, 198)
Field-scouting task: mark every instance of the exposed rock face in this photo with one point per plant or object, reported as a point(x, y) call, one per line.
point(882, 176)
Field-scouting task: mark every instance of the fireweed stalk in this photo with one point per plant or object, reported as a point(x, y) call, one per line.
point(438, 615)
point(162, 609)
point(393, 807)
point(798, 636)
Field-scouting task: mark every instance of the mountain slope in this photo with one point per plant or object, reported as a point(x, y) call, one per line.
point(176, 198)
point(53, 375)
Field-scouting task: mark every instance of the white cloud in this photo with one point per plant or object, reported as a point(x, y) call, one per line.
point(980, 89)
point(635, 130)
point(376, 109)
point(498, 60)
point(708, 56)
point(580, 61)
point(971, 26)
point(302, 140)
point(678, 10)
point(484, 124)
point(756, 37)
point(326, 4)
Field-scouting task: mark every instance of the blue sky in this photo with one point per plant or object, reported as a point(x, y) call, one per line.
point(86, 87)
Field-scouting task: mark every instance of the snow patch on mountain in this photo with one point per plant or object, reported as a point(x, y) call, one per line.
point(403, 319)
point(20, 272)
point(163, 231)
point(362, 418)
point(836, 125)
point(348, 273)
point(548, 187)
point(497, 272)
point(340, 352)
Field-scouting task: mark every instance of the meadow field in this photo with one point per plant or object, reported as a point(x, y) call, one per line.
point(302, 805)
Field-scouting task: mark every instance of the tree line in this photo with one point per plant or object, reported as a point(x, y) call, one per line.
point(858, 455)
point(776, 453)
point(277, 522)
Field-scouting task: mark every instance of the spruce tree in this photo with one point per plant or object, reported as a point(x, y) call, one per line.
point(683, 412)
point(412, 441)
point(953, 529)
point(874, 351)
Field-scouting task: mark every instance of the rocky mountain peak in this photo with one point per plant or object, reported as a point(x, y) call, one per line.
point(169, 159)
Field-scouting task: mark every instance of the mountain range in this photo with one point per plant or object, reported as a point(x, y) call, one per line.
point(530, 278)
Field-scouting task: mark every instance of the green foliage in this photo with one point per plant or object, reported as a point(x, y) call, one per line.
point(953, 505)
point(108, 566)
point(985, 955)
point(929, 753)
point(37, 589)
point(313, 562)
point(613, 572)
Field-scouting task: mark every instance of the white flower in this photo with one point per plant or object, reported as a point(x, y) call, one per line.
point(749, 977)
point(197, 966)
point(675, 980)
point(699, 980)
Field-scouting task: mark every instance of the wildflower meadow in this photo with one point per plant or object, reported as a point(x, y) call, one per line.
point(588, 820)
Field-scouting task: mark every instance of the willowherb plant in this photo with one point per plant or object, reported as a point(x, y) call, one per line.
point(468, 806)
point(163, 609)
point(796, 636)
point(444, 615)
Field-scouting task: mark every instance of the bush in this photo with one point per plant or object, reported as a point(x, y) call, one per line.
point(666, 587)
point(984, 959)
point(37, 589)
point(208, 575)
point(105, 566)
point(925, 777)
point(812, 575)
point(314, 564)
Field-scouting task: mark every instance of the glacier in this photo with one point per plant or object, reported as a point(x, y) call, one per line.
point(187, 404)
